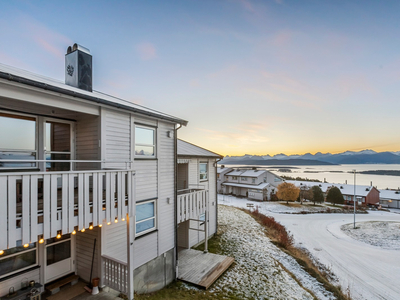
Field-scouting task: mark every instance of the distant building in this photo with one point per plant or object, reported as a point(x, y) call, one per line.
point(390, 198)
point(251, 183)
point(221, 171)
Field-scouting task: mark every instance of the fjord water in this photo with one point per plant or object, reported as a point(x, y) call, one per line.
point(341, 173)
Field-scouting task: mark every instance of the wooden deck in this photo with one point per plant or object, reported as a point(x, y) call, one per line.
point(200, 268)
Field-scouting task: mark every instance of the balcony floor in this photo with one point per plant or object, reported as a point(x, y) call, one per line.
point(201, 269)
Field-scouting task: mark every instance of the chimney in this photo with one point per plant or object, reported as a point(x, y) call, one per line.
point(78, 67)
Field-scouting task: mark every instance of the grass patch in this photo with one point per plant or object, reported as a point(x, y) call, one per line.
point(284, 240)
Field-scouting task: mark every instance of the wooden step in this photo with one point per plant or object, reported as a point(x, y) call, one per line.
point(55, 287)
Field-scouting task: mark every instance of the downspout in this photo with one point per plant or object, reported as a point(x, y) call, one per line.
point(216, 193)
point(176, 196)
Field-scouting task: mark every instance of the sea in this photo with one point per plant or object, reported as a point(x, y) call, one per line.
point(341, 174)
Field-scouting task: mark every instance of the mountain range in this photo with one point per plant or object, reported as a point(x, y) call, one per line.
point(347, 157)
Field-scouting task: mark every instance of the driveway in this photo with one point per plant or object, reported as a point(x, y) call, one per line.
point(369, 271)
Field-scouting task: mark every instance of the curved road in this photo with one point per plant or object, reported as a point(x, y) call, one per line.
point(369, 271)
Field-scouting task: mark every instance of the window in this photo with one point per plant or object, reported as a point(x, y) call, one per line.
point(244, 179)
point(253, 180)
point(203, 166)
point(17, 259)
point(234, 178)
point(17, 140)
point(58, 145)
point(145, 217)
point(145, 142)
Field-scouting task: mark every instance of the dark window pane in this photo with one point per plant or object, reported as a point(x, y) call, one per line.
point(58, 252)
point(14, 263)
point(58, 166)
point(58, 137)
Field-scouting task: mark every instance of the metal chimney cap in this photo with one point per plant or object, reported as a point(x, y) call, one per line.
point(80, 48)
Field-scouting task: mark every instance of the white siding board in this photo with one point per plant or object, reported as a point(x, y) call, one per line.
point(146, 179)
point(145, 248)
point(114, 241)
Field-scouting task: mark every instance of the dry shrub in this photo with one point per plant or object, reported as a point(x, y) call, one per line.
point(278, 231)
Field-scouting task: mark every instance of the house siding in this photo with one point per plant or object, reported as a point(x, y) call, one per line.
point(84, 253)
point(114, 241)
point(16, 281)
point(87, 142)
point(116, 137)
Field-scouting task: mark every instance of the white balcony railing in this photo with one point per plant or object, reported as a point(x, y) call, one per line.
point(36, 205)
point(191, 205)
point(115, 274)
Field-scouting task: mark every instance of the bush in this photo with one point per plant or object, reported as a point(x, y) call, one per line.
point(283, 238)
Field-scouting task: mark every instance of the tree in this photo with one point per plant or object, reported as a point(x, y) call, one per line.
point(335, 196)
point(305, 193)
point(287, 192)
point(318, 196)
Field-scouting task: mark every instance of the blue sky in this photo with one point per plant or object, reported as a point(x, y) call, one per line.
point(257, 77)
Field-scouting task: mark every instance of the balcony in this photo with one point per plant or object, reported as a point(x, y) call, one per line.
point(191, 204)
point(40, 205)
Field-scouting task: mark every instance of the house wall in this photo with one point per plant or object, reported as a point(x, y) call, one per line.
point(16, 281)
point(87, 142)
point(154, 179)
point(182, 180)
point(372, 197)
point(84, 253)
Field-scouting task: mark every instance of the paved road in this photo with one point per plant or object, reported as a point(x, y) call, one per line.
point(370, 272)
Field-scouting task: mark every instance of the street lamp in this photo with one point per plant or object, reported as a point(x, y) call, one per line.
point(354, 199)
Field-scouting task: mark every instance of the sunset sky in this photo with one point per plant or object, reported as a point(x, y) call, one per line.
point(255, 77)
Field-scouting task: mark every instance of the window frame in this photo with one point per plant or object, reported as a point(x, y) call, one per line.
point(36, 150)
point(5, 256)
point(206, 173)
point(154, 129)
point(141, 221)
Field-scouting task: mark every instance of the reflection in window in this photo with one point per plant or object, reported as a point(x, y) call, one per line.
point(58, 145)
point(144, 141)
point(17, 259)
point(145, 217)
point(203, 171)
point(17, 140)
point(58, 252)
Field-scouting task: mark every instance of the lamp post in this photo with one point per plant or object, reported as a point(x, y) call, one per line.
point(354, 199)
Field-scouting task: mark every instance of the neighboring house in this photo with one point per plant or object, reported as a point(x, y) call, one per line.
point(197, 193)
point(251, 183)
point(364, 194)
point(77, 165)
point(390, 198)
point(221, 171)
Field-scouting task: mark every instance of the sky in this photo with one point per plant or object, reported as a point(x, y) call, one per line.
point(251, 76)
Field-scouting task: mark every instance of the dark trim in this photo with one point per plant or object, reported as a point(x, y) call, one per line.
point(36, 115)
point(155, 158)
point(146, 234)
point(145, 125)
point(20, 273)
point(44, 86)
point(145, 200)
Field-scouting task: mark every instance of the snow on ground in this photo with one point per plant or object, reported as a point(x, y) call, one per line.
point(369, 272)
point(274, 207)
point(381, 234)
point(259, 270)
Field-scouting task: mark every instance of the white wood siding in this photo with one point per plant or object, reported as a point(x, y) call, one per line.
point(84, 252)
point(166, 167)
point(116, 137)
point(146, 179)
point(193, 172)
point(114, 239)
point(87, 141)
point(16, 281)
point(145, 249)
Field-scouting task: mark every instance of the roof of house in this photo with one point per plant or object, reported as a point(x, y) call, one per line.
point(187, 149)
point(236, 172)
point(249, 186)
point(345, 189)
point(50, 84)
point(222, 170)
point(252, 173)
point(389, 195)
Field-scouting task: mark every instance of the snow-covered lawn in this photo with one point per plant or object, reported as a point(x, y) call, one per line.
point(382, 234)
point(261, 270)
point(368, 271)
point(272, 207)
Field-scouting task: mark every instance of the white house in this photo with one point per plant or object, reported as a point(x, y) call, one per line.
point(221, 172)
point(196, 182)
point(251, 183)
point(77, 166)
point(389, 198)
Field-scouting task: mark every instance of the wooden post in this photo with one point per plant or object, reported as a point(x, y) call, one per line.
point(206, 224)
